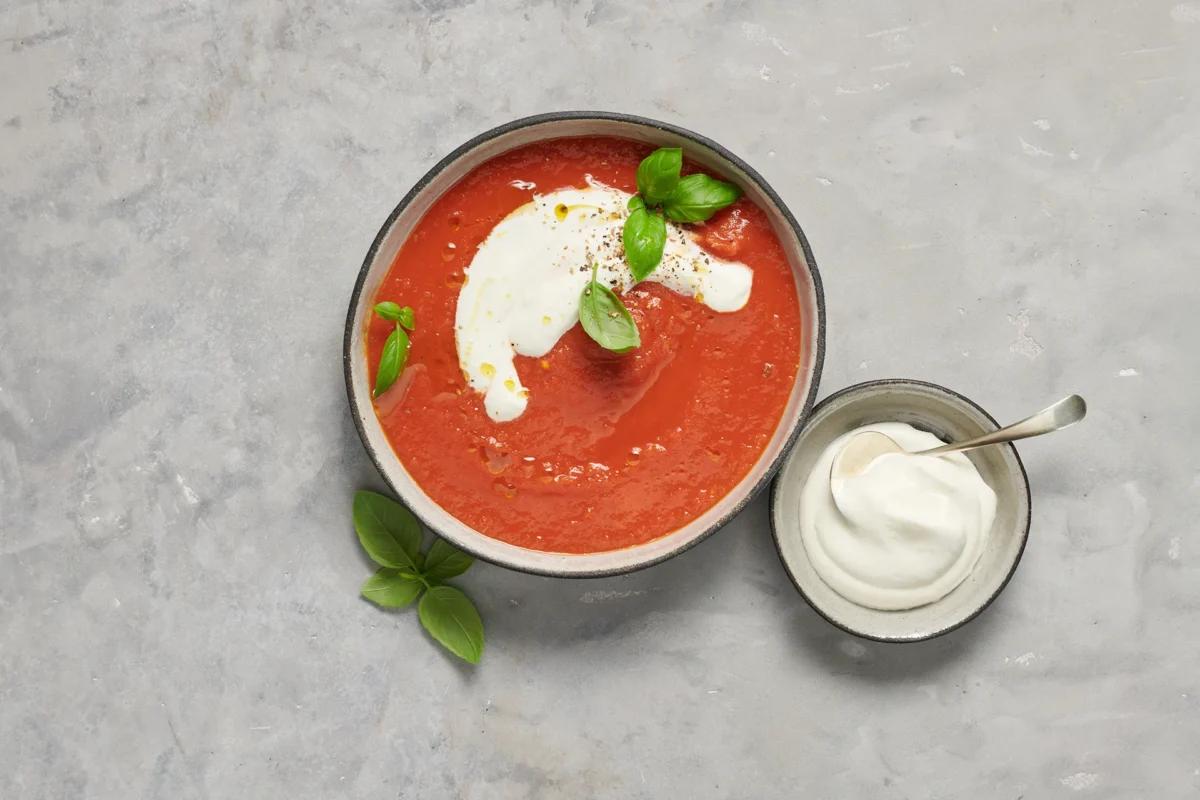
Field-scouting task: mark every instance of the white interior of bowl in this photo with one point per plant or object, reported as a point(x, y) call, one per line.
point(949, 417)
point(613, 561)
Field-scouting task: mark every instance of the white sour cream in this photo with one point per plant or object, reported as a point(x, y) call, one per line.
point(522, 288)
point(904, 532)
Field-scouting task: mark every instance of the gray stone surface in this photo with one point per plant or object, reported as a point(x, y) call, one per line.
point(1002, 197)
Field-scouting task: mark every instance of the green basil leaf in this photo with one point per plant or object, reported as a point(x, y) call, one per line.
point(645, 235)
point(392, 360)
point(445, 561)
point(391, 588)
point(451, 618)
point(658, 174)
point(606, 319)
point(387, 530)
point(636, 202)
point(697, 197)
point(388, 310)
point(392, 311)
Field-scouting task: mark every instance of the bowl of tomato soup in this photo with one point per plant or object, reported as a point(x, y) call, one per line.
point(510, 431)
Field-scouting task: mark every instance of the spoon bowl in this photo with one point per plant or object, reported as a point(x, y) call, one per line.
point(860, 451)
point(867, 446)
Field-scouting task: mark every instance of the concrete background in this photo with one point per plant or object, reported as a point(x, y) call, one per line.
point(1002, 197)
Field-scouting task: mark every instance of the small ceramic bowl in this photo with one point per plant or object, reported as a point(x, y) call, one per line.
point(949, 416)
point(449, 171)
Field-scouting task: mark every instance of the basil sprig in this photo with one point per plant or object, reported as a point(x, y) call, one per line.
point(605, 318)
point(389, 310)
point(395, 349)
point(391, 536)
point(661, 191)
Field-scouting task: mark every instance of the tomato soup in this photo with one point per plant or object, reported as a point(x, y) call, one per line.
point(612, 450)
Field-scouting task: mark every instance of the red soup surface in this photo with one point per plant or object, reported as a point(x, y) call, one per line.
point(612, 450)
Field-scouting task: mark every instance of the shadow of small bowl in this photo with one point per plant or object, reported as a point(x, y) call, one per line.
point(949, 416)
point(706, 153)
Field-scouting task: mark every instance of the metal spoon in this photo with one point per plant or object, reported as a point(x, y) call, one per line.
point(867, 446)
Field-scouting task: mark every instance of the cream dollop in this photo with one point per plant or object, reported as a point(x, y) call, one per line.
point(903, 533)
point(522, 288)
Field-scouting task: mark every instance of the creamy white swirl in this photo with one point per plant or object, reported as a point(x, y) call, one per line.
point(903, 533)
point(523, 285)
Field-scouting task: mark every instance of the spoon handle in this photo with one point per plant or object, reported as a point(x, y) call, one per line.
point(1065, 412)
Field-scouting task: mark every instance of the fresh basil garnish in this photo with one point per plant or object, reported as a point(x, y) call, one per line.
point(392, 311)
point(388, 310)
point(697, 197)
point(395, 349)
point(387, 530)
point(392, 537)
point(645, 235)
point(391, 588)
point(605, 318)
point(658, 173)
point(451, 618)
point(445, 561)
point(661, 190)
point(392, 360)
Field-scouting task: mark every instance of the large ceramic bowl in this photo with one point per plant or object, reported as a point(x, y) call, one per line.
point(449, 171)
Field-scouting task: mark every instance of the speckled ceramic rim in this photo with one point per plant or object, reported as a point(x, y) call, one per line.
point(572, 565)
point(877, 384)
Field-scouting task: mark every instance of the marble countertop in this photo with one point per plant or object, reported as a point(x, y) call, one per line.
point(1002, 197)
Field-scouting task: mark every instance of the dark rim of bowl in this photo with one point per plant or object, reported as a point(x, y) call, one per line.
point(818, 351)
point(855, 389)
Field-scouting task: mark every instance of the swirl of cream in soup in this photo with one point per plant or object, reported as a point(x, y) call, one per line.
point(523, 285)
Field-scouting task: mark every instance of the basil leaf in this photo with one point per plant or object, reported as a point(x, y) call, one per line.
point(658, 174)
point(388, 310)
point(445, 561)
point(392, 311)
point(636, 202)
point(392, 360)
point(606, 319)
point(387, 530)
point(644, 236)
point(391, 588)
point(697, 197)
point(451, 618)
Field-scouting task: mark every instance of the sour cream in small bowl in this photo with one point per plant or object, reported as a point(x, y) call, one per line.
point(915, 546)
